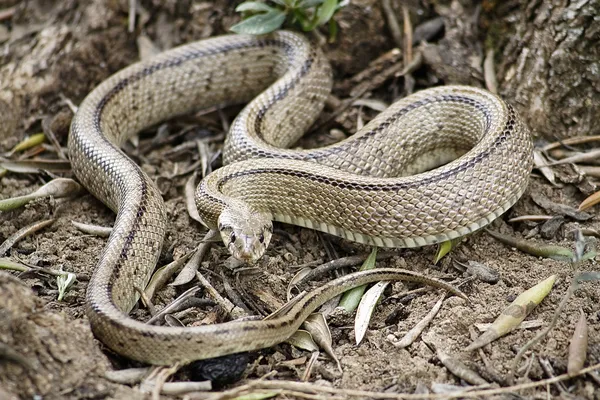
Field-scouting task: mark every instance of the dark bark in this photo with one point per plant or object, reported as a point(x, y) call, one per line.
point(548, 52)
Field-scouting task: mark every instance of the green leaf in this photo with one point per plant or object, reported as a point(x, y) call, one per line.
point(253, 6)
point(283, 2)
point(261, 23)
point(302, 18)
point(309, 3)
point(351, 298)
point(333, 30)
point(28, 143)
point(325, 12)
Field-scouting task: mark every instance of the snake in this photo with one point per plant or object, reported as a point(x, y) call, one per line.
point(436, 165)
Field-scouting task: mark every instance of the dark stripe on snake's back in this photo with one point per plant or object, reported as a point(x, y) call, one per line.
point(401, 185)
point(124, 83)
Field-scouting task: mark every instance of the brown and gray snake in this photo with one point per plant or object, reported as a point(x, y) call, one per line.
point(383, 186)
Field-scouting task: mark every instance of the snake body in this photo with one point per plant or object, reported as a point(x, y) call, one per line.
point(370, 188)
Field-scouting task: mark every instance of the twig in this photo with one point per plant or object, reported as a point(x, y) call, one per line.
point(341, 263)
point(161, 377)
point(145, 300)
point(374, 68)
point(7, 263)
point(571, 141)
point(489, 371)
point(7, 13)
point(416, 331)
point(312, 388)
point(100, 231)
point(589, 157)
point(179, 388)
point(50, 135)
point(378, 80)
point(310, 366)
point(392, 22)
point(408, 36)
point(489, 72)
point(545, 364)
point(228, 306)
point(174, 305)
point(132, 10)
point(407, 49)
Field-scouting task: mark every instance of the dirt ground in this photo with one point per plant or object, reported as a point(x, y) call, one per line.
point(54, 53)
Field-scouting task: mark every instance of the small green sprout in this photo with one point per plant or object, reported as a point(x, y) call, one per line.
point(260, 17)
point(64, 282)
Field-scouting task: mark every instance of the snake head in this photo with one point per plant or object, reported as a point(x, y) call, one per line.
point(245, 232)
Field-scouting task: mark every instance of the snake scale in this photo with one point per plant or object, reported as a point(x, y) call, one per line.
point(370, 188)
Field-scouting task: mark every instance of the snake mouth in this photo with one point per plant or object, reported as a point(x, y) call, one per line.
point(248, 249)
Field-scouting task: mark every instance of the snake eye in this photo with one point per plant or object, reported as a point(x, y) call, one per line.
point(232, 237)
point(261, 238)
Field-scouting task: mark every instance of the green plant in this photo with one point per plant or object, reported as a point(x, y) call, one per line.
point(260, 17)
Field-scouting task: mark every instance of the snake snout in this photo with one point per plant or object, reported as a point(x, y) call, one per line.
point(251, 251)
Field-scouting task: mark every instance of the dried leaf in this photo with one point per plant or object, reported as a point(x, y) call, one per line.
point(541, 164)
point(366, 308)
point(36, 166)
point(301, 274)
point(578, 346)
point(188, 272)
point(23, 232)
point(162, 274)
point(59, 187)
point(590, 201)
point(171, 320)
point(146, 48)
point(514, 314)
point(303, 340)
point(560, 209)
point(373, 104)
point(190, 198)
point(317, 326)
